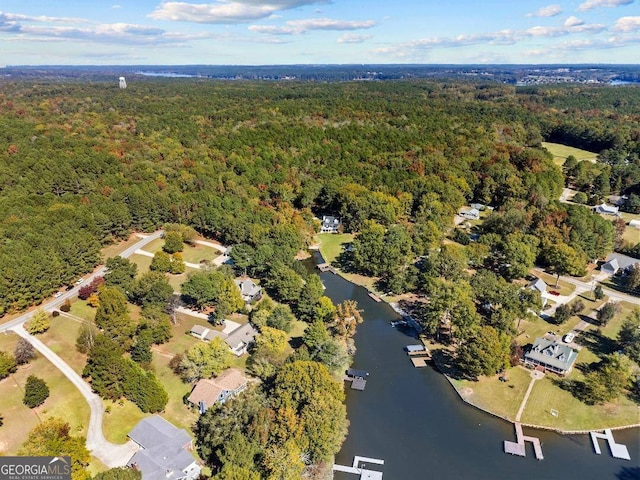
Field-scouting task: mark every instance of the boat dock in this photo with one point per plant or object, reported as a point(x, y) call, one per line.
point(617, 449)
point(518, 447)
point(361, 470)
point(357, 378)
point(374, 297)
point(326, 267)
point(418, 354)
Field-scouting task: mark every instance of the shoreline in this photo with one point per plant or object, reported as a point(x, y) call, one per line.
point(396, 308)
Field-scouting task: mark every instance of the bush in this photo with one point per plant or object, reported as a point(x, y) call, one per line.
point(24, 351)
point(606, 313)
point(563, 312)
point(599, 292)
point(66, 306)
point(580, 197)
point(7, 364)
point(36, 392)
point(55, 313)
point(577, 307)
point(39, 323)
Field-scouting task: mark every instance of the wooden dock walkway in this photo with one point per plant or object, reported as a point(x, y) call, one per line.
point(374, 297)
point(518, 447)
point(617, 449)
point(363, 472)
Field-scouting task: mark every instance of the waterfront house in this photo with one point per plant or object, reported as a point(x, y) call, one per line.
point(240, 339)
point(210, 391)
point(551, 356)
point(163, 453)
point(329, 224)
point(471, 214)
point(605, 209)
point(249, 290)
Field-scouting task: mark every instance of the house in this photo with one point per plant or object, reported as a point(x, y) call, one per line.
point(551, 355)
point(472, 214)
point(538, 284)
point(163, 453)
point(210, 391)
point(611, 267)
point(624, 262)
point(198, 331)
point(634, 223)
point(249, 290)
point(478, 206)
point(329, 224)
point(240, 339)
point(605, 209)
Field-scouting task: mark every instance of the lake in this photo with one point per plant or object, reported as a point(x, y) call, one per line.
point(413, 419)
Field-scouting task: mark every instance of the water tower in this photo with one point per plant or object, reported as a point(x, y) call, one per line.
point(123, 82)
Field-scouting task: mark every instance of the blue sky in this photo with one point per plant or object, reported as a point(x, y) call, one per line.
point(252, 32)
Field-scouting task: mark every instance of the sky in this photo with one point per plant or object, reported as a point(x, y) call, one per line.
point(264, 32)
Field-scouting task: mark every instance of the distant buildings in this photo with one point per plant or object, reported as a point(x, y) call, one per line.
point(329, 224)
point(551, 356)
point(163, 453)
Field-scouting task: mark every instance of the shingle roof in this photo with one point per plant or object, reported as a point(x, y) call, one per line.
point(245, 333)
point(209, 390)
point(552, 353)
point(155, 430)
point(198, 329)
point(538, 284)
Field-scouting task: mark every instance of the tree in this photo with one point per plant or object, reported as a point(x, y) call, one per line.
point(599, 292)
point(152, 288)
point(580, 197)
point(141, 349)
point(285, 283)
point(310, 295)
point(565, 260)
point(486, 351)
point(120, 473)
point(205, 360)
point(39, 322)
point(203, 289)
point(234, 472)
point(269, 352)
point(563, 312)
point(121, 272)
point(177, 264)
point(24, 351)
point(157, 322)
point(173, 242)
point(325, 309)
point(281, 318)
point(36, 392)
point(347, 318)
point(629, 336)
point(449, 263)
point(161, 262)
point(608, 380)
point(8, 364)
point(606, 313)
point(86, 338)
point(632, 280)
point(112, 316)
point(105, 367)
point(51, 438)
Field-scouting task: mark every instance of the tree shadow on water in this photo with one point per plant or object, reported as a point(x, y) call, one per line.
point(628, 473)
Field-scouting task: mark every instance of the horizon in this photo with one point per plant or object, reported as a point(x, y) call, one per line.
point(319, 32)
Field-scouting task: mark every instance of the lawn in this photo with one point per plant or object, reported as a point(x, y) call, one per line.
point(117, 248)
point(573, 414)
point(154, 246)
point(501, 398)
point(81, 309)
point(61, 338)
point(176, 411)
point(65, 401)
point(191, 254)
point(142, 261)
point(331, 244)
point(561, 152)
point(119, 418)
point(565, 288)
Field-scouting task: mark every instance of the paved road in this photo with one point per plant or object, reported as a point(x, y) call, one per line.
point(56, 302)
point(111, 454)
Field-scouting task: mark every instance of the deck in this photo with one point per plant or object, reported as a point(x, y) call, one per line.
point(617, 449)
point(374, 297)
point(358, 470)
point(518, 447)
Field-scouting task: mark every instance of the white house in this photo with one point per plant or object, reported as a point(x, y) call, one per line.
point(329, 224)
point(472, 214)
point(538, 284)
point(605, 209)
point(249, 290)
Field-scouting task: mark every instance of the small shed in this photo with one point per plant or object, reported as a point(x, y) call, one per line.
point(634, 224)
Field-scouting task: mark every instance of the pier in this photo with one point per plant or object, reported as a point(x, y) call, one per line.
point(418, 354)
point(617, 449)
point(357, 378)
point(326, 267)
point(374, 297)
point(363, 472)
point(518, 447)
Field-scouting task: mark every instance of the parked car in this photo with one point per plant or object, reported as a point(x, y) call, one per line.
point(568, 338)
point(554, 292)
point(79, 281)
point(57, 295)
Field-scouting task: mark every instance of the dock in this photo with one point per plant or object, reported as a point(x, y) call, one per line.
point(374, 297)
point(357, 378)
point(518, 447)
point(617, 449)
point(361, 470)
point(418, 354)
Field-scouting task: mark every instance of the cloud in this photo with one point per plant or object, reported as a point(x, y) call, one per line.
point(627, 24)
point(297, 27)
point(115, 6)
point(591, 4)
point(549, 11)
point(354, 38)
point(17, 17)
point(226, 11)
point(503, 37)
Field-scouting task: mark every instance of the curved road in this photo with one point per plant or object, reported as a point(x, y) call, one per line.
point(111, 454)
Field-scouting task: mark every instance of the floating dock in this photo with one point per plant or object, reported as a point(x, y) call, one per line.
point(375, 297)
point(518, 447)
point(362, 471)
point(617, 449)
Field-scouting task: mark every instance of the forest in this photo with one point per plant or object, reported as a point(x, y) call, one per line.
point(253, 165)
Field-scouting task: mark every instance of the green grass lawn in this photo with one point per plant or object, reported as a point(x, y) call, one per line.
point(176, 411)
point(331, 244)
point(563, 287)
point(81, 309)
point(501, 398)
point(561, 152)
point(154, 246)
point(122, 417)
point(142, 261)
point(198, 253)
point(61, 338)
point(572, 413)
point(117, 248)
point(65, 401)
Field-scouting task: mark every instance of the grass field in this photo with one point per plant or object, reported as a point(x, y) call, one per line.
point(65, 401)
point(189, 254)
point(565, 288)
point(561, 152)
point(61, 338)
point(331, 244)
point(117, 248)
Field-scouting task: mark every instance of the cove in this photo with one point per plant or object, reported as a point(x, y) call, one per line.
point(413, 419)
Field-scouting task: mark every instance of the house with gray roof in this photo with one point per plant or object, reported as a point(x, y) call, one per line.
point(249, 290)
point(163, 453)
point(551, 356)
point(329, 224)
point(471, 214)
point(240, 339)
point(538, 284)
point(605, 209)
point(611, 267)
